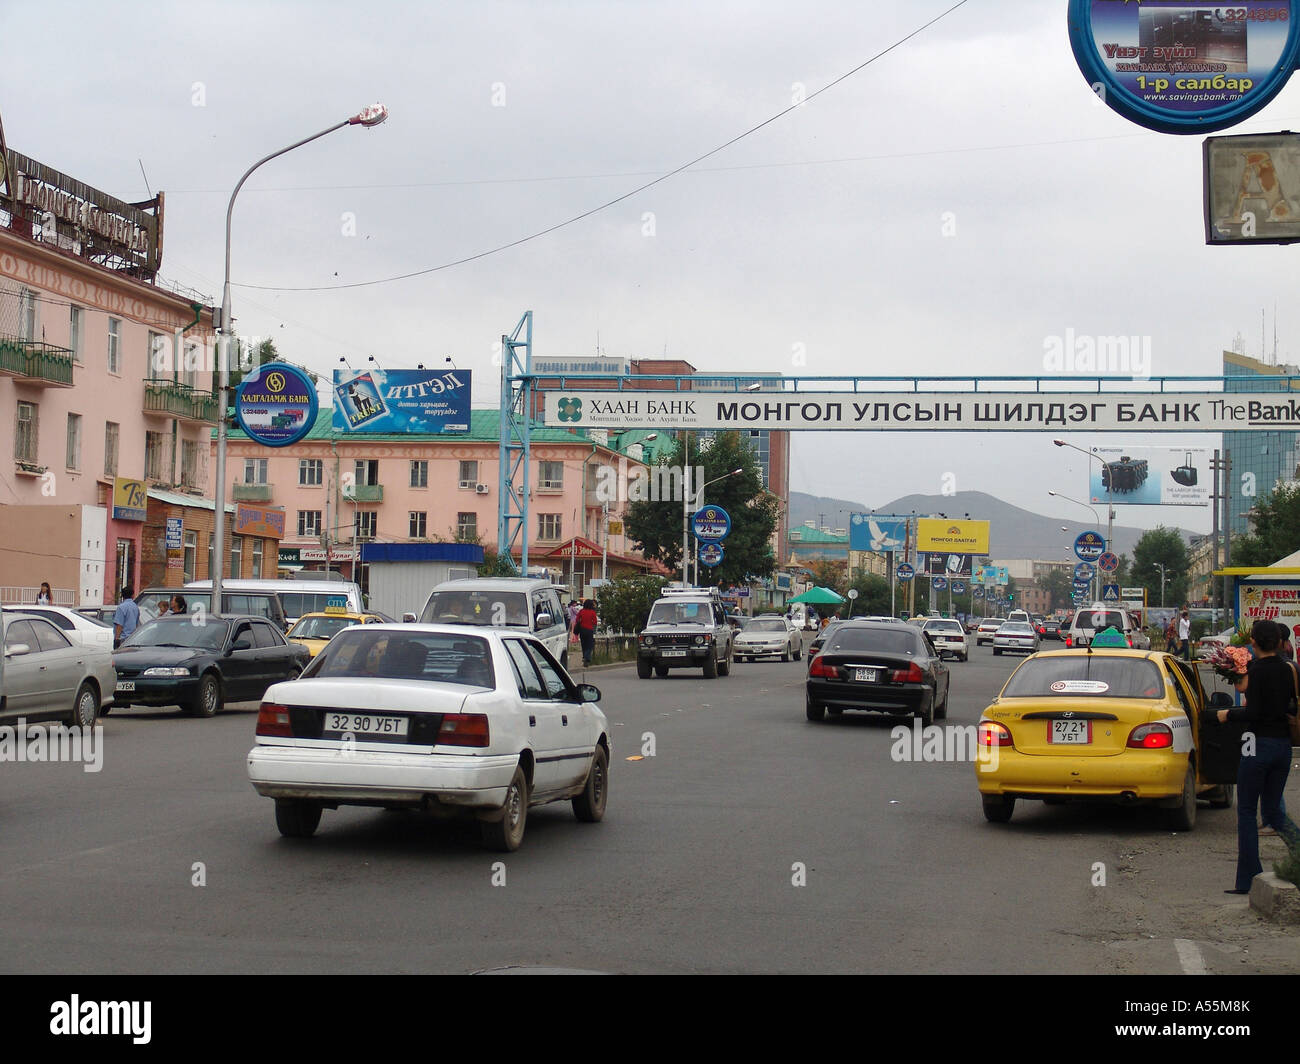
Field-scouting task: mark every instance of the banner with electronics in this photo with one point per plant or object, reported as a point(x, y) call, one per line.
point(417, 401)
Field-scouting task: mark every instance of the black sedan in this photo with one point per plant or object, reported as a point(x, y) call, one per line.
point(1048, 629)
point(881, 668)
point(199, 663)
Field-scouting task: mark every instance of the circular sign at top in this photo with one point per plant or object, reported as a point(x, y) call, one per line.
point(712, 523)
point(1089, 546)
point(1177, 66)
point(276, 404)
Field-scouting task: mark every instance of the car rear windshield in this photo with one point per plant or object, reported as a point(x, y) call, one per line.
point(944, 626)
point(767, 625)
point(1099, 619)
point(1085, 675)
point(320, 627)
point(493, 609)
point(879, 640)
point(365, 652)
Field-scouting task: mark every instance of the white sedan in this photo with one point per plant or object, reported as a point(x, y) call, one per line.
point(1015, 635)
point(433, 717)
point(766, 637)
point(78, 627)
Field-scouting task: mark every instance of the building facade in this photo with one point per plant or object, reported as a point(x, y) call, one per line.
point(1260, 459)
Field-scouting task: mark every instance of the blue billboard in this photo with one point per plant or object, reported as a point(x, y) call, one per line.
point(401, 400)
point(881, 534)
point(276, 404)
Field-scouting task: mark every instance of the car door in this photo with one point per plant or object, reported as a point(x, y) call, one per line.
point(272, 654)
point(1218, 746)
point(239, 668)
point(576, 739)
point(23, 672)
point(545, 728)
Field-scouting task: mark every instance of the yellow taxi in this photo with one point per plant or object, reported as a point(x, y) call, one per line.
point(1104, 724)
point(314, 630)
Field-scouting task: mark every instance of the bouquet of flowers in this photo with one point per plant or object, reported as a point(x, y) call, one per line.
point(1228, 662)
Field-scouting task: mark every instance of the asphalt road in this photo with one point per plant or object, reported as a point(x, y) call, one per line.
point(695, 868)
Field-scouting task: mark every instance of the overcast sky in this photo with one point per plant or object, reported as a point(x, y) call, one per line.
point(824, 232)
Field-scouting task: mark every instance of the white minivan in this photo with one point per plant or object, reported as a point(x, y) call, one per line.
point(503, 602)
point(298, 597)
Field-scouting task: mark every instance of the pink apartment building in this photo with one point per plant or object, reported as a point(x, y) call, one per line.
point(343, 490)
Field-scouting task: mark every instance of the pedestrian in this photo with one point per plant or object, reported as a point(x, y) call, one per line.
point(1285, 650)
point(45, 597)
point(1271, 685)
point(1185, 637)
point(179, 605)
point(586, 625)
point(126, 618)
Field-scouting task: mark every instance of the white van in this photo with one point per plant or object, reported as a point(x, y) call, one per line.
point(503, 602)
point(297, 596)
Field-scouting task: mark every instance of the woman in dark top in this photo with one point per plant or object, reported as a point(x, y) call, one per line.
point(1269, 685)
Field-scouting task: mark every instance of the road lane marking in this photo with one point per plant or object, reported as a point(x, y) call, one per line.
point(1189, 956)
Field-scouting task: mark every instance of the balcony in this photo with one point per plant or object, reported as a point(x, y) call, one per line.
point(179, 400)
point(251, 492)
point(364, 493)
point(35, 362)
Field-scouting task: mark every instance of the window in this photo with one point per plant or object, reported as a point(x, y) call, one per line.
point(236, 556)
point(159, 367)
point(469, 475)
point(419, 523)
point(114, 345)
point(368, 471)
point(74, 441)
point(310, 472)
point(257, 559)
point(25, 436)
point(27, 312)
point(254, 470)
point(112, 430)
point(550, 476)
point(467, 527)
point(420, 474)
point(309, 523)
point(76, 325)
point(548, 526)
point(189, 463)
point(365, 524)
point(155, 463)
point(191, 554)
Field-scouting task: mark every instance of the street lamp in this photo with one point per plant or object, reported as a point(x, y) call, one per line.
point(1110, 506)
point(1162, 583)
point(370, 117)
point(699, 501)
point(1058, 495)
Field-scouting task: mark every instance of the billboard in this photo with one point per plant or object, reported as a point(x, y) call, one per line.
point(879, 534)
point(417, 401)
point(130, 499)
point(946, 564)
point(1151, 476)
point(1252, 189)
point(1269, 600)
point(956, 537)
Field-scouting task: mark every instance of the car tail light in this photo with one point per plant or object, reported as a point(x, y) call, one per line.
point(911, 674)
point(991, 733)
point(820, 668)
point(273, 719)
point(463, 729)
point(1069, 642)
point(1151, 737)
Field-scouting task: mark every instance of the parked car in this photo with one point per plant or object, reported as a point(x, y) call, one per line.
point(314, 630)
point(98, 613)
point(882, 668)
point(46, 676)
point(78, 627)
point(521, 603)
point(1015, 635)
point(1121, 726)
point(984, 633)
point(200, 663)
point(770, 636)
point(481, 722)
point(686, 629)
point(949, 637)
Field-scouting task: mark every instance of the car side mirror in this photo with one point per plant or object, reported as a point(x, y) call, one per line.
point(588, 692)
point(17, 650)
point(408, 618)
point(544, 620)
point(240, 644)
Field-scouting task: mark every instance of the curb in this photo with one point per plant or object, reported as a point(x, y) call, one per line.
point(578, 670)
point(1275, 899)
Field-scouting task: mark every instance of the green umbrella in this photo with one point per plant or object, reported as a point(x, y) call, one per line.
point(820, 596)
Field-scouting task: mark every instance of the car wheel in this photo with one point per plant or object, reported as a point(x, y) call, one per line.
point(208, 699)
point(926, 715)
point(85, 707)
point(1223, 796)
point(814, 710)
point(297, 819)
point(643, 668)
point(785, 654)
point(724, 666)
point(589, 806)
point(661, 671)
point(1053, 801)
point(710, 667)
point(506, 834)
point(998, 807)
point(996, 651)
point(941, 710)
point(1183, 817)
point(798, 651)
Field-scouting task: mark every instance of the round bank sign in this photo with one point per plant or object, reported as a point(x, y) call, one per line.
point(1182, 67)
point(712, 523)
point(276, 404)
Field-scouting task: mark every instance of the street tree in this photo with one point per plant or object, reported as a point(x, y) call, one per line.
point(1275, 529)
point(1161, 547)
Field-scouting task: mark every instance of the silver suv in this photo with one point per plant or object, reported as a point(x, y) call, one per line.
point(687, 629)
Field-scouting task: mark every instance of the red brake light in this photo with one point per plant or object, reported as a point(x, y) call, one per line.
point(1069, 642)
point(273, 719)
point(820, 668)
point(911, 674)
point(463, 729)
point(1151, 737)
point(991, 733)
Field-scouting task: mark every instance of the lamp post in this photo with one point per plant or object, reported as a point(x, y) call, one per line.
point(1162, 583)
point(1058, 495)
point(1110, 506)
point(370, 117)
point(699, 501)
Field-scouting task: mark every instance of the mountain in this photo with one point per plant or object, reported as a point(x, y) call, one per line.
point(1013, 532)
